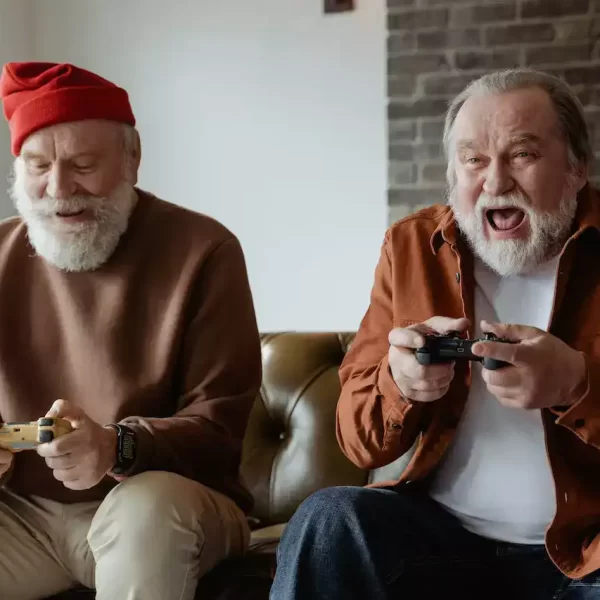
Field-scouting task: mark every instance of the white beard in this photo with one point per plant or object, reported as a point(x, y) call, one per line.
point(548, 231)
point(75, 246)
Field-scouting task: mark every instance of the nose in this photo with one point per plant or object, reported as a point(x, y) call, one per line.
point(498, 180)
point(60, 183)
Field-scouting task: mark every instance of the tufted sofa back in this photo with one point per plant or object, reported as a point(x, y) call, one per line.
point(290, 448)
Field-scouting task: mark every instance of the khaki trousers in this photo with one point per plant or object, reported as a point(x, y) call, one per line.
point(151, 538)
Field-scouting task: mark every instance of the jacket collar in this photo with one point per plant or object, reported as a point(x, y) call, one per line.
point(586, 217)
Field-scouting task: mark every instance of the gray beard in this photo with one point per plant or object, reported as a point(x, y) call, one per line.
point(79, 246)
point(548, 232)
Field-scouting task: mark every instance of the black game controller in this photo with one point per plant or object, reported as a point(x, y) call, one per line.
point(444, 348)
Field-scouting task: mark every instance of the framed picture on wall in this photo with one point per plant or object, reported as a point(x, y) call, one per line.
point(337, 6)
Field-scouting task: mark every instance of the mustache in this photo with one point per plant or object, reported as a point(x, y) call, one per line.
point(511, 200)
point(48, 207)
point(486, 201)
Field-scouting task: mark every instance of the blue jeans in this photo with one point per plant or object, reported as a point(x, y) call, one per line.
point(349, 543)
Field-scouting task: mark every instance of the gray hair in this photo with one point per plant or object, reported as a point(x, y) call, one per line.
point(568, 108)
point(130, 137)
point(129, 142)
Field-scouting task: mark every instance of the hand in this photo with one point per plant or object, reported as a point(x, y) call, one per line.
point(6, 461)
point(81, 458)
point(422, 383)
point(543, 370)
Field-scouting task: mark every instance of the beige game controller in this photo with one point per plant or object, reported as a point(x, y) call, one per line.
point(28, 435)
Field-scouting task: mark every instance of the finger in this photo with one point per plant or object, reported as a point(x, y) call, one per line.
point(417, 396)
point(413, 336)
point(68, 461)
point(404, 364)
point(416, 372)
point(515, 354)
point(512, 332)
point(66, 475)
point(405, 337)
point(68, 411)
point(506, 377)
point(69, 443)
point(60, 408)
point(445, 325)
point(506, 396)
point(6, 457)
point(77, 484)
point(436, 385)
point(506, 393)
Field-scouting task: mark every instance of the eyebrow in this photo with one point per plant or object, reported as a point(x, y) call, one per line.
point(38, 156)
point(32, 156)
point(521, 138)
point(524, 138)
point(466, 145)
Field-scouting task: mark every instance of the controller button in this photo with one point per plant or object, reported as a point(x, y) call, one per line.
point(46, 436)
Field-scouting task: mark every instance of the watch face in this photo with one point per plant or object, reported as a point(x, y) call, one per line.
point(128, 448)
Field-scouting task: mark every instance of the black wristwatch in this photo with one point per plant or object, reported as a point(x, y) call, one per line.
point(126, 448)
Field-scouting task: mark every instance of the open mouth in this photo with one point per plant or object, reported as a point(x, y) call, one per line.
point(70, 214)
point(505, 219)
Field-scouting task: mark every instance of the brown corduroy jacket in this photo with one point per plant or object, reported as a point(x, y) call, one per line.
point(426, 269)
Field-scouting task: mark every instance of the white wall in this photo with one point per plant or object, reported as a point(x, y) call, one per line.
point(15, 45)
point(267, 115)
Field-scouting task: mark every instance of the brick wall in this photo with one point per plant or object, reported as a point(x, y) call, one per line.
point(435, 47)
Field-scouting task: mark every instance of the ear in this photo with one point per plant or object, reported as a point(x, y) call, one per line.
point(137, 150)
point(580, 175)
point(134, 159)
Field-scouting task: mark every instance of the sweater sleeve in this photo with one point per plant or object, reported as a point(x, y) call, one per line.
point(375, 423)
point(218, 380)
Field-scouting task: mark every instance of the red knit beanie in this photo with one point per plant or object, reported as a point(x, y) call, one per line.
point(37, 94)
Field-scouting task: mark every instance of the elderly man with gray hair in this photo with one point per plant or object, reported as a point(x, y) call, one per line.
point(131, 319)
point(500, 497)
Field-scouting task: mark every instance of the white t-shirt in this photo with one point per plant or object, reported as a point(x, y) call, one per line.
point(496, 477)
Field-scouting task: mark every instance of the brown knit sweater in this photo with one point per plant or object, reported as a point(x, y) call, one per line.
point(163, 337)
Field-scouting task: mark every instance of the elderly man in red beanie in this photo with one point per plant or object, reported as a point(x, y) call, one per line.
point(132, 319)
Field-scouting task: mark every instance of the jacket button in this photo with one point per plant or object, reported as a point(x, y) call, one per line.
point(579, 423)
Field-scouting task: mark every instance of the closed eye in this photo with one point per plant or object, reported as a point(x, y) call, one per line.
point(39, 167)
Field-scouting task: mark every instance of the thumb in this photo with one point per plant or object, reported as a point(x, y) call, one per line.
point(408, 337)
point(68, 411)
point(509, 331)
point(444, 325)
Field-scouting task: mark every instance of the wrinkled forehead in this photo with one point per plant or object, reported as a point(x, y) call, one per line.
point(70, 139)
point(492, 121)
